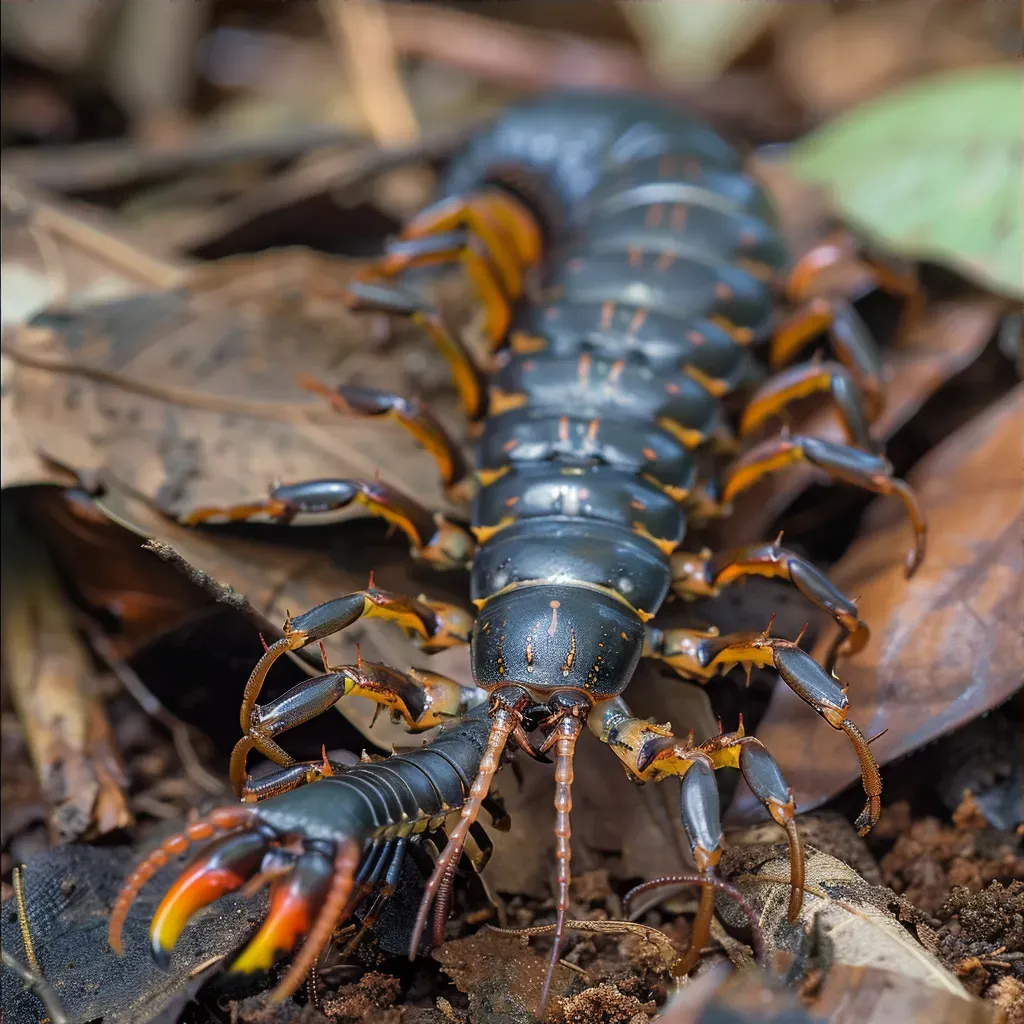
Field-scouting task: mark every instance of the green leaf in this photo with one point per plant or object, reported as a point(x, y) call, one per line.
point(933, 171)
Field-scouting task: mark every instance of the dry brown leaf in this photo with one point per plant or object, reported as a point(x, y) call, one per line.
point(53, 685)
point(867, 995)
point(946, 645)
point(52, 253)
point(501, 974)
point(847, 995)
point(860, 922)
point(191, 398)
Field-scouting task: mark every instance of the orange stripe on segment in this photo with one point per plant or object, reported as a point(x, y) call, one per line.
point(636, 323)
point(583, 370)
point(652, 218)
point(680, 211)
point(607, 312)
point(665, 260)
point(634, 256)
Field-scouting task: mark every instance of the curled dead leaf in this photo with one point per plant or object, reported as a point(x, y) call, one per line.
point(861, 925)
point(945, 646)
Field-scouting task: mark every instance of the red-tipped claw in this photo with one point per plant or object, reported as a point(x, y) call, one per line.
point(224, 866)
point(294, 901)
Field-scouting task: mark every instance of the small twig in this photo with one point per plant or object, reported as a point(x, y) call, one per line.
point(103, 165)
point(181, 732)
point(60, 222)
point(223, 593)
point(36, 984)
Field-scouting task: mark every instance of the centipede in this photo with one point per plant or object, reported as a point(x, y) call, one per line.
point(632, 280)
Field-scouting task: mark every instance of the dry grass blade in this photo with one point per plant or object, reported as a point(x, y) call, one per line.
point(659, 940)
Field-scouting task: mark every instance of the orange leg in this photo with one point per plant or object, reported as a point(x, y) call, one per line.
point(432, 538)
point(832, 311)
point(850, 339)
point(414, 417)
point(843, 248)
point(457, 247)
point(702, 575)
point(802, 381)
point(389, 298)
point(503, 224)
point(652, 753)
point(850, 465)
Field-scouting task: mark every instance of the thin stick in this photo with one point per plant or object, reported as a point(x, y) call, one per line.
point(707, 881)
point(180, 732)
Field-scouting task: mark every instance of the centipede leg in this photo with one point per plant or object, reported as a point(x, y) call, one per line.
point(850, 340)
point(370, 296)
point(849, 465)
point(699, 808)
point(455, 247)
point(702, 575)
point(802, 381)
point(762, 775)
point(651, 753)
point(421, 699)
point(499, 221)
point(434, 625)
point(433, 539)
point(821, 691)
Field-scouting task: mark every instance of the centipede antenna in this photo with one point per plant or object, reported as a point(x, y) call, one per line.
point(346, 860)
point(568, 730)
point(501, 727)
point(221, 819)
